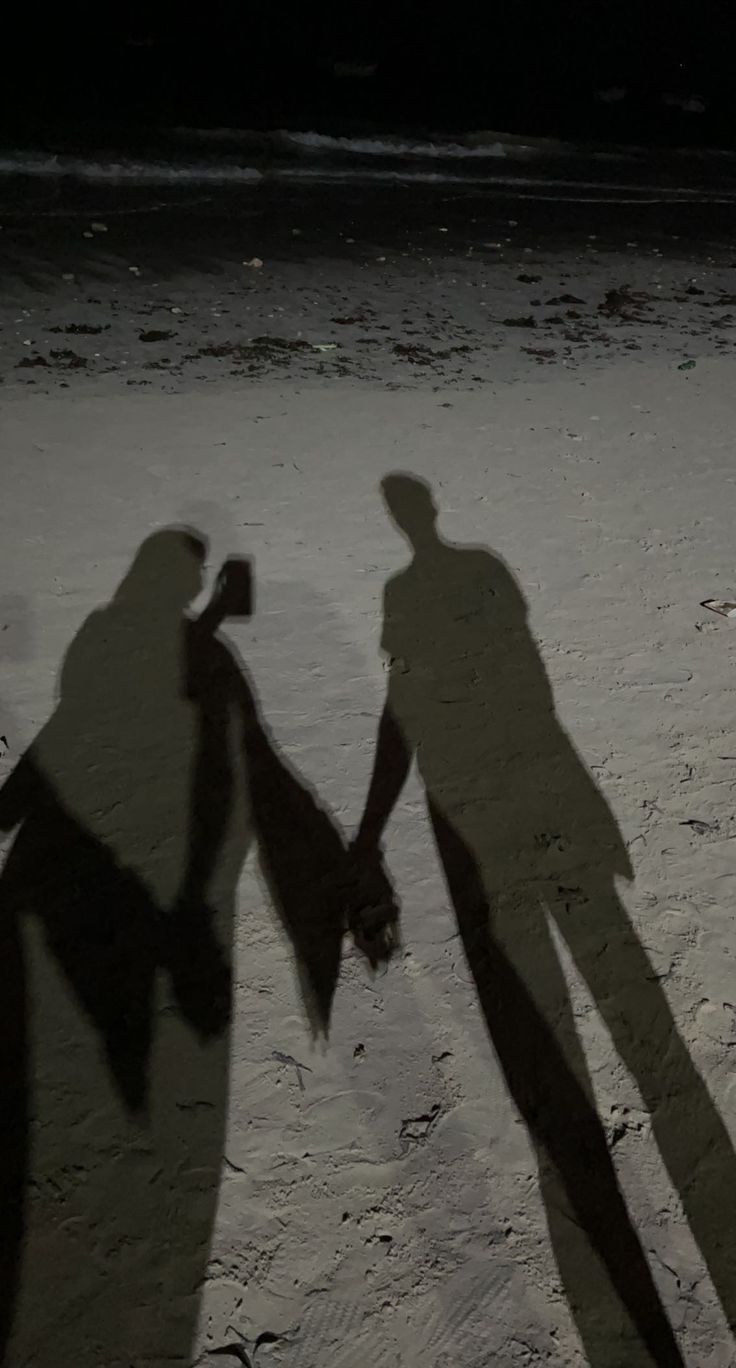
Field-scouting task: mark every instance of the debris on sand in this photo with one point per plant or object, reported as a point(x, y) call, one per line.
point(81, 329)
point(156, 335)
point(258, 352)
point(416, 1129)
point(541, 353)
point(699, 825)
point(245, 1350)
point(65, 357)
point(721, 606)
point(565, 299)
point(624, 303)
point(418, 355)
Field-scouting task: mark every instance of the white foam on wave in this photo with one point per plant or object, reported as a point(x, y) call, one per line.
point(520, 187)
point(131, 171)
point(183, 172)
point(477, 145)
point(392, 147)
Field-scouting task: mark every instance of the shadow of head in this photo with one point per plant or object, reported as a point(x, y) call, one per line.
point(410, 506)
point(167, 573)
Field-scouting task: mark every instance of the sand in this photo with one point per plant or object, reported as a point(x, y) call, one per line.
point(370, 1196)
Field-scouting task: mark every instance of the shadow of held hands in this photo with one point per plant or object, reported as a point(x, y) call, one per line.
point(372, 909)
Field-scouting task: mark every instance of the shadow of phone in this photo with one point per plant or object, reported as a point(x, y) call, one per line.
point(233, 595)
point(235, 587)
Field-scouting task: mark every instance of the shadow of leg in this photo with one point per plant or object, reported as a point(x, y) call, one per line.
point(14, 1157)
point(563, 1125)
point(692, 1138)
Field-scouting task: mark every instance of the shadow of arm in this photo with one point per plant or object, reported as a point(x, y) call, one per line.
point(390, 771)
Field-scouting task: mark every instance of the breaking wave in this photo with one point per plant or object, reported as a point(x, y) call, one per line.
point(499, 162)
point(133, 170)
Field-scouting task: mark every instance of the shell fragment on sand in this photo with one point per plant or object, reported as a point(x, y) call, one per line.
point(720, 606)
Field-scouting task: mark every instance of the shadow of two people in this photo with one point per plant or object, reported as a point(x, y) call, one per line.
point(135, 808)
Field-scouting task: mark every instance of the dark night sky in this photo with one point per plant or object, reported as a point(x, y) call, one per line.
point(526, 66)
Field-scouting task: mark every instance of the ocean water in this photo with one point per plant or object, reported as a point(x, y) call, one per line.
point(185, 159)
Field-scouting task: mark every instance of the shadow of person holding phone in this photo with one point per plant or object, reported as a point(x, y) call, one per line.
point(131, 815)
point(525, 838)
point(15, 620)
point(121, 811)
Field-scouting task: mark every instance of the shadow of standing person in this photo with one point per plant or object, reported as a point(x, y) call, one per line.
point(103, 889)
point(131, 815)
point(524, 836)
point(15, 628)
